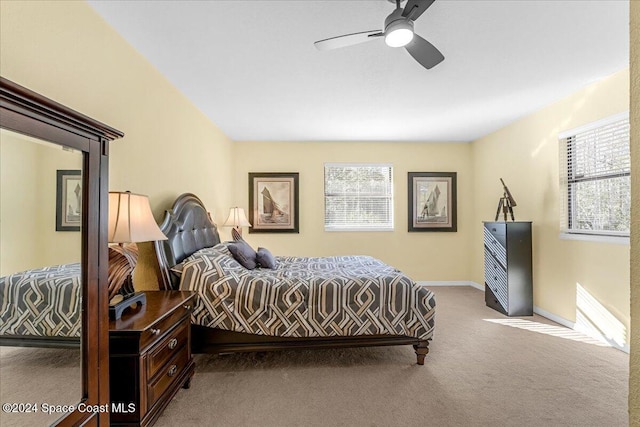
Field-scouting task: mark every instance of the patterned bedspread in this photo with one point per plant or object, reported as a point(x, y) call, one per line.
point(307, 297)
point(42, 302)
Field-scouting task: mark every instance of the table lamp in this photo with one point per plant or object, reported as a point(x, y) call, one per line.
point(130, 221)
point(237, 219)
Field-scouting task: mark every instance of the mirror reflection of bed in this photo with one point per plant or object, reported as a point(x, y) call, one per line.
point(40, 295)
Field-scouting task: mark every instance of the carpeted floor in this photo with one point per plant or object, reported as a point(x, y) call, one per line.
point(38, 376)
point(484, 369)
point(478, 373)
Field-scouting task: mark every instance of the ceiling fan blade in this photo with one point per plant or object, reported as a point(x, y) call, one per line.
point(424, 52)
point(347, 40)
point(415, 8)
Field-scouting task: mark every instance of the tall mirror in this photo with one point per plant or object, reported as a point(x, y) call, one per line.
point(54, 337)
point(40, 278)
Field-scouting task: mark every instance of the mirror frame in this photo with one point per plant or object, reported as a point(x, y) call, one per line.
point(28, 113)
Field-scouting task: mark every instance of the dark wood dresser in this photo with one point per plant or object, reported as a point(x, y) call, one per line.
point(508, 276)
point(150, 357)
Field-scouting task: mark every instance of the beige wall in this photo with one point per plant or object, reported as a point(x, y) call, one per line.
point(525, 154)
point(18, 205)
point(634, 367)
point(28, 204)
point(54, 247)
point(422, 255)
point(64, 50)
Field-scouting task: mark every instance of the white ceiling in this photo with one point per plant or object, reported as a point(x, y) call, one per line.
point(251, 66)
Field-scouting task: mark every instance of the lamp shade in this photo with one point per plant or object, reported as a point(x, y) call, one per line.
point(131, 220)
point(237, 218)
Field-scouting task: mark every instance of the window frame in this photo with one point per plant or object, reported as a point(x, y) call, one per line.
point(389, 195)
point(567, 175)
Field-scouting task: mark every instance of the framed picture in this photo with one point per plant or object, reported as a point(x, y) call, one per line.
point(273, 202)
point(432, 201)
point(68, 200)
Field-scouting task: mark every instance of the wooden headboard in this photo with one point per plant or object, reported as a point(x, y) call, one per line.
point(188, 228)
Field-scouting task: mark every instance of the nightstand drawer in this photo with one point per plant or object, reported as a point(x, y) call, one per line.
point(166, 348)
point(158, 329)
point(167, 375)
point(150, 356)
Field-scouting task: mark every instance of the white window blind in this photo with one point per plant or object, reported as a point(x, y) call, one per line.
point(595, 175)
point(358, 197)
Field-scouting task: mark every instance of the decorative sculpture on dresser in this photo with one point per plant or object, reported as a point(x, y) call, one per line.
point(506, 203)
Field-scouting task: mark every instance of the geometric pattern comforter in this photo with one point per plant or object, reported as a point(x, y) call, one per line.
point(42, 302)
point(307, 297)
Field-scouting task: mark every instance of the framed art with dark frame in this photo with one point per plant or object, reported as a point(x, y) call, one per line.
point(432, 201)
point(68, 200)
point(273, 202)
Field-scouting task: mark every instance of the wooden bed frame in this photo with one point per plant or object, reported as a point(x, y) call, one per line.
point(35, 341)
point(189, 228)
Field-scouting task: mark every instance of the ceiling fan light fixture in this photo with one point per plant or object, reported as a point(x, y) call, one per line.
point(398, 33)
point(398, 38)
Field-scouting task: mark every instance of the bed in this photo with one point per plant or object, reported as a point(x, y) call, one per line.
point(326, 302)
point(41, 307)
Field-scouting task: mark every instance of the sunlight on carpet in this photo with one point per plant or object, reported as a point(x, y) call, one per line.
point(542, 328)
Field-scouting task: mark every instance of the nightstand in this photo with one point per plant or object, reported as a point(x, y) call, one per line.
point(150, 357)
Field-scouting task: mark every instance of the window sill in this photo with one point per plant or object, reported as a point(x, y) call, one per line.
point(357, 229)
point(620, 240)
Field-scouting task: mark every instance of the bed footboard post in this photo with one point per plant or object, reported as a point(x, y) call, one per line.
point(421, 349)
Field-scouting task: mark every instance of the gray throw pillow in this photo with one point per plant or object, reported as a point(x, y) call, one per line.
point(243, 253)
point(265, 259)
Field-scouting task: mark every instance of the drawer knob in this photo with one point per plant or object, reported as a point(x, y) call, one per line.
point(172, 370)
point(173, 343)
point(187, 307)
point(155, 331)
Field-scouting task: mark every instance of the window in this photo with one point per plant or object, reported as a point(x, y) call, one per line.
point(595, 174)
point(358, 197)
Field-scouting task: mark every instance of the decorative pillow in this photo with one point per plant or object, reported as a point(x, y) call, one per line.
point(265, 259)
point(243, 253)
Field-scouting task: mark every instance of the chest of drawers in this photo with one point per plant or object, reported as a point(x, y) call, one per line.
point(508, 273)
point(150, 357)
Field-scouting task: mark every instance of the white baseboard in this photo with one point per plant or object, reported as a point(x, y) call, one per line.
point(555, 318)
point(450, 283)
point(572, 325)
point(539, 311)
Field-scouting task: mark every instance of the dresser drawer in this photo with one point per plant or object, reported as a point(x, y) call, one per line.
point(494, 246)
point(165, 349)
point(495, 277)
point(166, 376)
point(498, 229)
point(151, 335)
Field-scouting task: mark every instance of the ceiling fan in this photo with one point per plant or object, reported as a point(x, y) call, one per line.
point(398, 32)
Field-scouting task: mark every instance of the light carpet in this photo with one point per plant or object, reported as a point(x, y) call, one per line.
point(37, 376)
point(484, 369)
point(478, 373)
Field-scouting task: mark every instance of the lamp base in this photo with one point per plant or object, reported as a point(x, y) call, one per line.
point(116, 310)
